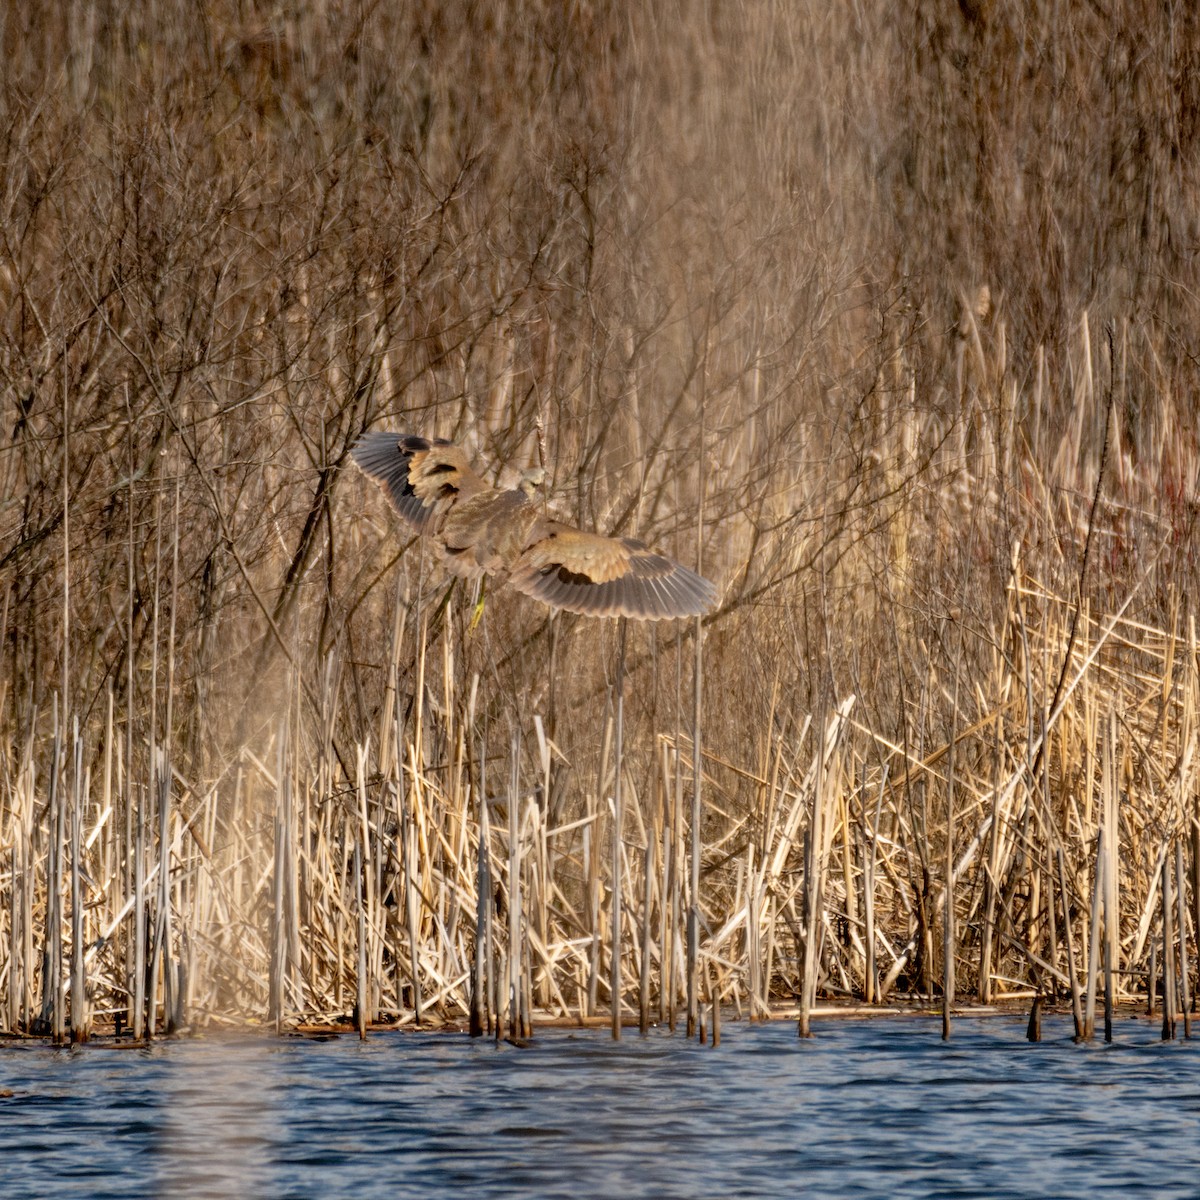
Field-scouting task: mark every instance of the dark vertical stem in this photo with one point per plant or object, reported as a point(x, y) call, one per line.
point(1033, 1031)
point(1168, 948)
point(714, 998)
point(1108, 990)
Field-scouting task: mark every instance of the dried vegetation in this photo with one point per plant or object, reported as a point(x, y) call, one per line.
point(885, 314)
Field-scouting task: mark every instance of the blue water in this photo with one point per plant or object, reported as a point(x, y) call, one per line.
point(878, 1108)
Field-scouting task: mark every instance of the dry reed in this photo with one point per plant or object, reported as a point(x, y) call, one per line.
point(818, 294)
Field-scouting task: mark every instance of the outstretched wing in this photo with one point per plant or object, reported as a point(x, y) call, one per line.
point(608, 577)
point(423, 478)
point(480, 529)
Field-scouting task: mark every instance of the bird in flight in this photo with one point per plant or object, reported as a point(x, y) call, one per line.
point(484, 530)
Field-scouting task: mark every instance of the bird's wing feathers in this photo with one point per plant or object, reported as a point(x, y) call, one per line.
point(481, 529)
point(608, 577)
point(423, 478)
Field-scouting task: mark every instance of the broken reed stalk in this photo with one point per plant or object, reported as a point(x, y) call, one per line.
point(147, 999)
point(545, 856)
point(673, 844)
point(694, 834)
point(1185, 990)
point(129, 877)
point(362, 883)
point(644, 975)
point(279, 939)
point(495, 1003)
point(162, 972)
point(52, 992)
point(948, 929)
point(591, 859)
point(1093, 965)
point(714, 999)
point(59, 1015)
point(1068, 925)
point(360, 1000)
point(1195, 878)
point(813, 878)
point(615, 987)
point(1112, 912)
point(80, 1017)
point(407, 836)
point(14, 1012)
point(480, 1016)
point(870, 856)
point(514, 890)
point(165, 941)
point(405, 782)
point(948, 896)
point(407, 795)
point(1109, 998)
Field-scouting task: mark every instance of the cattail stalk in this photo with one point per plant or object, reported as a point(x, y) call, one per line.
point(80, 1017)
point(615, 986)
point(1185, 997)
point(1168, 948)
point(514, 890)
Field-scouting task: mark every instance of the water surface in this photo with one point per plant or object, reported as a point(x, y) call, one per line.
point(879, 1108)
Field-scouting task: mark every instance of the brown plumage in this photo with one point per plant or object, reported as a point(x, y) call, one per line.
point(481, 529)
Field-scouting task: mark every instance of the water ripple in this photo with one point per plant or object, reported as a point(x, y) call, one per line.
point(865, 1110)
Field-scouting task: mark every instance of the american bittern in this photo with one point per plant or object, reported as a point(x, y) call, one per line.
point(485, 530)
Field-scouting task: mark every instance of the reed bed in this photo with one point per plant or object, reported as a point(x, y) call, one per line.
point(445, 883)
point(856, 315)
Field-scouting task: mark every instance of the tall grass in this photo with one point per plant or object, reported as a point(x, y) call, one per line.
point(889, 311)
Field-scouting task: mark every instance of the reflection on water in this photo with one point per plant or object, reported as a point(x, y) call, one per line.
point(878, 1108)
